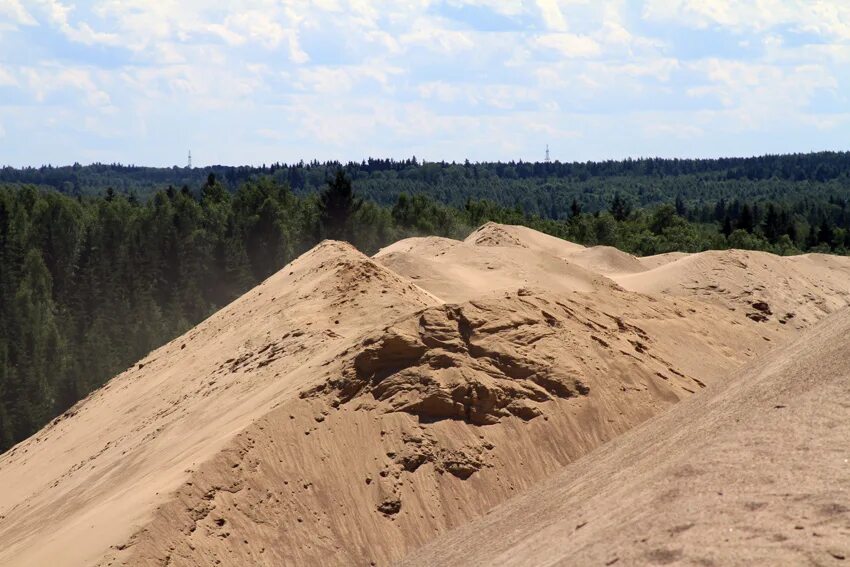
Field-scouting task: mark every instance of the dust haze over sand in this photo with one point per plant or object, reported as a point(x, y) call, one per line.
point(356, 410)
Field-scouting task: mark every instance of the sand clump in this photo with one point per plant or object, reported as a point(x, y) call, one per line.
point(353, 409)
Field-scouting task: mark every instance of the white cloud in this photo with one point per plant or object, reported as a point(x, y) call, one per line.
point(343, 79)
point(568, 45)
point(45, 80)
point(395, 78)
point(660, 68)
point(257, 26)
point(758, 95)
point(7, 79)
point(59, 15)
point(678, 129)
point(829, 18)
point(16, 13)
point(430, 34)
point(443, 92)
point(502, 7)
point(552, 15)
point(228, 35)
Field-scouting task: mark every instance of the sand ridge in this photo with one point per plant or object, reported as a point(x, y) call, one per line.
point(760, 476)
point(103, 466)
point(789, 290)
point(422, 426)
point(352, 409)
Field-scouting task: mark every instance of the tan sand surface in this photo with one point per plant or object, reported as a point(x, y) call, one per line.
point(755, 471)
point(350, 410)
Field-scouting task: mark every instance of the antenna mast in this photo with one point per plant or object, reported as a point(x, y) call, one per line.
point(189, 164)
point(547, 154)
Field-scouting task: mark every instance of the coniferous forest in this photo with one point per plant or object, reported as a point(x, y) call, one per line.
point(100, 264)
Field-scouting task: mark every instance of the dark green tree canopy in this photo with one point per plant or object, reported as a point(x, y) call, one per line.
point(337, 205)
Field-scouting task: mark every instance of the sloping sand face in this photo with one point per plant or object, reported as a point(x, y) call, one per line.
point(425, 424)
point(95, 475)
point(759, 475)
point(351, 410)
point(790, 290)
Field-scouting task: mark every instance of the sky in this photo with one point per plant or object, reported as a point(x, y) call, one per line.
point(263, 81)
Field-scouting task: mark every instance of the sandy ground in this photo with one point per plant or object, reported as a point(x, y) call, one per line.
point(759, 476)
point(350, 410)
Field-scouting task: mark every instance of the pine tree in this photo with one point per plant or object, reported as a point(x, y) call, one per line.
point(746, 221)
point(727, 226)
point(337, 205)
point(620, 208)
point(826, 234)
point(212, 191)
point(7, 432)
point(772, 228)
point(681, 208)
point(575, 208)
point(720, 210)
point(812, 239)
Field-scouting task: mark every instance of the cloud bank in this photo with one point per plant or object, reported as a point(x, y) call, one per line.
point(257, 81)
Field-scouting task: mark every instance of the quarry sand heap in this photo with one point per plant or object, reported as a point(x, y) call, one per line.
point(353, 409)
point(759, 476)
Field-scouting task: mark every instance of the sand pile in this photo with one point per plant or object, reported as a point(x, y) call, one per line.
point(489, 263)
point(425, 424)
point(351, 410)
point(502, 235)
point(766, 288)
point(759, 476)
point(90, 479)
point(607, 260)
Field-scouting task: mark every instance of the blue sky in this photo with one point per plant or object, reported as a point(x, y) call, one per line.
point(258, 81)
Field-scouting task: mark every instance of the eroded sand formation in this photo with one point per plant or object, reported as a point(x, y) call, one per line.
point(351, 410)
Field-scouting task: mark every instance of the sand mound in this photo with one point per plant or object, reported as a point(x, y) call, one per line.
point(350, 410)
point(423, 246)
point(420, 427)
point(501, 235)
point(493, 260)
point(607, 260)
point(651, 262)
point(467, 272)
point(764, 287)
point(91, 477)
point(758, 476)
point(492, 234)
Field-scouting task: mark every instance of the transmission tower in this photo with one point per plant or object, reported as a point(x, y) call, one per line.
point(189, 164)
point(547, 154)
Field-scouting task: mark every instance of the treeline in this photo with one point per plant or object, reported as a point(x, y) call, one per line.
point(89, 284)
point(545, 189)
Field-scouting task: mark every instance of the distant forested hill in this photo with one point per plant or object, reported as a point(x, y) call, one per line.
point(544, 189)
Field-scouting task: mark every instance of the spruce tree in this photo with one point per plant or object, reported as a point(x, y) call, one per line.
point(746, 221)
point(337, 205)
point(575, 208)
point(620, 208)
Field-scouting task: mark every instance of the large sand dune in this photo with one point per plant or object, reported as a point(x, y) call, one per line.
point(759, 476)
point(351, 410)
